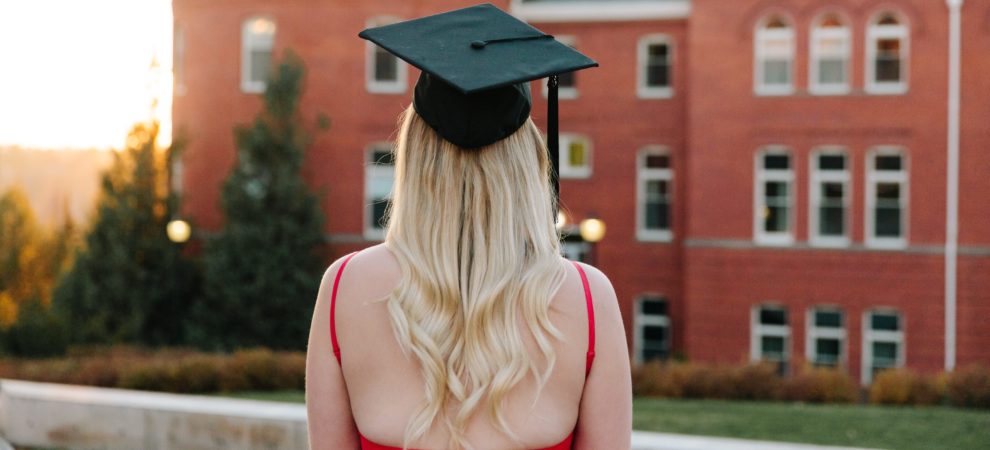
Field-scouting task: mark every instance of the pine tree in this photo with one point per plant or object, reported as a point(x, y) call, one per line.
point(129, 284)
point(263, 269)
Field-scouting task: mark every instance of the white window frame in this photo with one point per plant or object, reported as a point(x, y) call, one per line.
point(563, 93)
point(815, 332)
point(644, 175)
point(760, 236)
point(640, 321)
point(870, 336)
point(643, 90)
point(873, 177)
point(566, 169)
point(249, 41)
point(761, 35)
point(373, 171)
point(758, 330)
point(817, 178)
point(819, 34)
point(874, 33)
point(374, 86)
point(178, 59)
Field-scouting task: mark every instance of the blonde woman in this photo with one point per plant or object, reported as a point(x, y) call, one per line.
point(465, 328)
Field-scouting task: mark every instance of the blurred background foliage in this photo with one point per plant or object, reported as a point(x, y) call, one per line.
point(121, 281)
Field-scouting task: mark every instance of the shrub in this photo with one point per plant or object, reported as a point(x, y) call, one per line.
point(820, 385)
point(147, 377)
point(197, 374)
point(891, 387)
point(758, 381)
point(969, 387)
point(291, 371)
point(249, 370)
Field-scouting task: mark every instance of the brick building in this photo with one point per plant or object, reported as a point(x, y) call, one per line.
point(772, 174)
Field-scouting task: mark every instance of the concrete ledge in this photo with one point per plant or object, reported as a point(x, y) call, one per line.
point(82, 417)
point(55, 415)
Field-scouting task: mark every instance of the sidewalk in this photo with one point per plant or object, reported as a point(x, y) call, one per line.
point(643, 440)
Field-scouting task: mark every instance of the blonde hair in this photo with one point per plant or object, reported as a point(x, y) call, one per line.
point(474, 236)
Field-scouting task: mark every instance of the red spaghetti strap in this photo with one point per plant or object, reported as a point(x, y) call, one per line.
point(333, 304)
point(591, 318)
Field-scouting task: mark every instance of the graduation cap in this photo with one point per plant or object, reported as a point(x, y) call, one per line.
point(476, 65)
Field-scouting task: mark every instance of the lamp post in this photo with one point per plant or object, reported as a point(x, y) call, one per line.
point(592, 231)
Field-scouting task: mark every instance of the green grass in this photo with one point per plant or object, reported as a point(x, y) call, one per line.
point(899, 428)
point(886, 427)
point(273, 396)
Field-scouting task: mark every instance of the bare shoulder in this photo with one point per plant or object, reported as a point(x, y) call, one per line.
point(602, 292)
point(372, 263)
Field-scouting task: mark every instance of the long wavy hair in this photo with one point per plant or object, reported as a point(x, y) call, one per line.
point(475, 239)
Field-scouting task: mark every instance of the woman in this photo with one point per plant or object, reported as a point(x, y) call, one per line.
point(466, 329)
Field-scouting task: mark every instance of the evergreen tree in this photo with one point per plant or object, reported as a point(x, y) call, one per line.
point(129, 284)
point(262, 270)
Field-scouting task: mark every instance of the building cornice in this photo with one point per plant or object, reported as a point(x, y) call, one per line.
point(600, 11)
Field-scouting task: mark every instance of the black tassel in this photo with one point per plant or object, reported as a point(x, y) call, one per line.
point(553, 142)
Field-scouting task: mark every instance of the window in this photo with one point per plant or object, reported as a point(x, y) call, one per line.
point(653, 193)
point(886, 55)
point(826, 342)
point(830, 49)
point(771, 336)
point(652, 328)
point(829, 198)
point(575, 156)
point(772, 217)
point(566, 82)
point(258, 39)
point(886, 198)
point(379, 175)
point(655, 59)
point(179, 60)
point(774, 54)
point(883, 343)
point(384, 72)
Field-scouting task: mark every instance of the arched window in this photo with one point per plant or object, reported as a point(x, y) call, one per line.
point(774, 54)
point(830, 49)
point(257, 42)
point(887, 54)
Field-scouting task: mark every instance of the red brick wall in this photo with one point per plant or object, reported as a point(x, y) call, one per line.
point(711, 273)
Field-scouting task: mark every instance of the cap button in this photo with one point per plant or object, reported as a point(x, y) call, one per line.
point(478, 44)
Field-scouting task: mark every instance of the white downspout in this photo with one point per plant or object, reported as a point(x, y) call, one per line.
point(952, 185)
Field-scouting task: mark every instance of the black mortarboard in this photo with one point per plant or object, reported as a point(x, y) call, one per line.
point(476, 65)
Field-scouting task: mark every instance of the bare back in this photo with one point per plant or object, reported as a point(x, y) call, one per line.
point(384, 387)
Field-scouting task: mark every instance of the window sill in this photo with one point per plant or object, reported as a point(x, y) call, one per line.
point(773, 92)
point(826, 91)
point(385, 88)
point(664, 237)
point(253, 87)
point(654, 93)
point(575, 174)
point(886, 89)
point(774, 240)
point(885, 244)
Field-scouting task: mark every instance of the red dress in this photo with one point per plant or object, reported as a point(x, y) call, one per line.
point(563, 445)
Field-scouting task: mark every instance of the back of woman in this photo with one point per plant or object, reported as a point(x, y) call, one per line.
point(466, 329)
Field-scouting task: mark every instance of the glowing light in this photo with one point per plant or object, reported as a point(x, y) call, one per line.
point(592, 230)
point(178, 231)
point(561, 219)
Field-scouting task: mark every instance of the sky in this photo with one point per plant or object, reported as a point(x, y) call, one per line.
point(76, 73)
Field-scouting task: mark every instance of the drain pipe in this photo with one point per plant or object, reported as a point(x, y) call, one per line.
point(952, 185)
